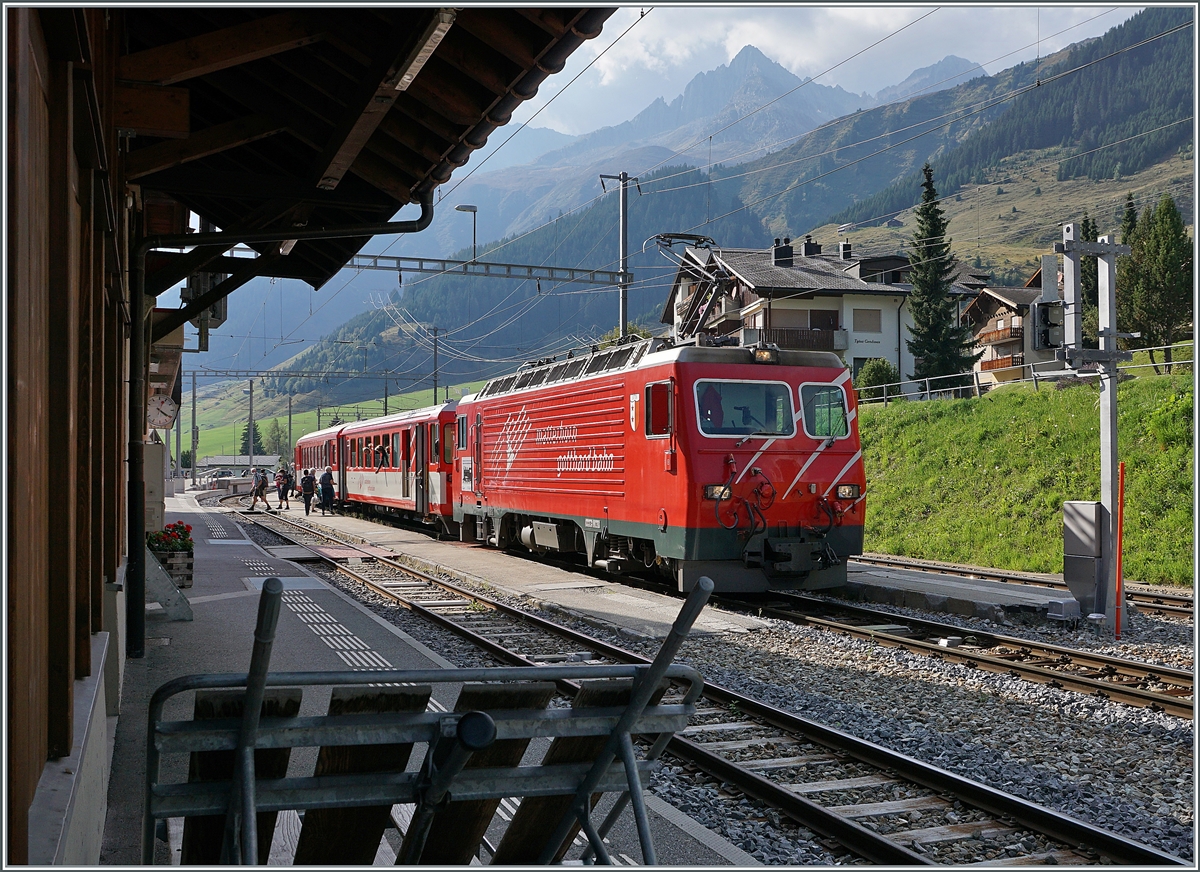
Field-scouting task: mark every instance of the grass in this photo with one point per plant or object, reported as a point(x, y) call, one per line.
point(982, 481)
point(1009, 244)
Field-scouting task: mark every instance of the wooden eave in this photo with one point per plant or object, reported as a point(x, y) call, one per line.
point(289, 118)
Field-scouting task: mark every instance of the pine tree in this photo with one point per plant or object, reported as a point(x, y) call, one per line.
point(938, 343)
point(1154, 282)
point(258, 442)
point(1129, 221)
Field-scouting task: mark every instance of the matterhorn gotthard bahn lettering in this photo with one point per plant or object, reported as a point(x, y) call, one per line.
point(516, 430)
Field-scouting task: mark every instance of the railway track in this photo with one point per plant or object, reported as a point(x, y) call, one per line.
point(1159, 688)
point(1175, 605)
point(859, 797)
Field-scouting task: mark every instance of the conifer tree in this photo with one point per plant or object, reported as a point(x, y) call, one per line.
point(258, 441)
point(1154, 282)
point(939, 344)
point(1129, 221)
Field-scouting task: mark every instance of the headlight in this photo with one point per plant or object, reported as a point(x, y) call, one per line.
point(766, 355)
point(847, 492)
point(717, 492)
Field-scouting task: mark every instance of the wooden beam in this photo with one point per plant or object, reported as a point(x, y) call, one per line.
point(221, 49)
point(202, 143)
point(288, 267)
point(391, 73)
point(149, 110)
point(199, 181)
point(178, 317)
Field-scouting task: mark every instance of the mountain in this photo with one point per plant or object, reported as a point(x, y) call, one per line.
point(946, 73)
point(1115, 115)
point(516, 198)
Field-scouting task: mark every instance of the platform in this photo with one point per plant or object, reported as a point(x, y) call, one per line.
point(228, 575)
point(995, 601)
point(605, 604)
point(622, 608)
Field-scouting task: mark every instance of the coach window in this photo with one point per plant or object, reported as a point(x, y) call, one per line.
point(824, 410)
point(448, 443)
point(658, 411)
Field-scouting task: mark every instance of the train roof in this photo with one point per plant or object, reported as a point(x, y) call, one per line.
point(400, 417)
point(636, 355)
point(323, 434)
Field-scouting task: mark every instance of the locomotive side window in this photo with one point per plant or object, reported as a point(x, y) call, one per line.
point(448, 442)
point(824, 411)
point(744, 408)
point(462, 432)
point(658, 411)
point(433, 442)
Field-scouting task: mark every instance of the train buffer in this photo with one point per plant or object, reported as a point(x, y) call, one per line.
point(245, 726)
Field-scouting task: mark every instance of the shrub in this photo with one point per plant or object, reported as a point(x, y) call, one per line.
point(875, 372)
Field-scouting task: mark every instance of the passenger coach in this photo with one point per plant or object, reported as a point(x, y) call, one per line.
point(399, 464)
point(738, 463)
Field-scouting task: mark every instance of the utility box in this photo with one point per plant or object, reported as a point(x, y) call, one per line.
point(155, 457)
point(1082, 551)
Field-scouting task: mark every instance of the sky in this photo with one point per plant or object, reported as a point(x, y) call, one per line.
point(669, 45)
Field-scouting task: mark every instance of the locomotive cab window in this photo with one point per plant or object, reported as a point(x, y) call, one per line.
point(744, 408)
point(824, 408)
point(462, 432)
point(433, 442)
point(658, 411)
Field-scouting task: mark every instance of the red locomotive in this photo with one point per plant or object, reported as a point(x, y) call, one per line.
point(398, 464)
point(742, 464)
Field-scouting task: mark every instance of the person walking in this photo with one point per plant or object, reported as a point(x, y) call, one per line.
point(258, 488)
point(282, 487)
point(308, 488)
point(327, 490)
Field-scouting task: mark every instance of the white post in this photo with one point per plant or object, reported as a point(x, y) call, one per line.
point(1072, 297)
point(1106, 594)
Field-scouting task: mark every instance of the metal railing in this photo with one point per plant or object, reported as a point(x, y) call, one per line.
point(966, 384)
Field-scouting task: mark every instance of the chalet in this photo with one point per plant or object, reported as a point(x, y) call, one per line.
point(1000, 319)
point(798, 297)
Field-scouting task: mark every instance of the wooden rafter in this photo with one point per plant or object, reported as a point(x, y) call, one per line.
point(221, 49)
point(211, 140)
point(391, 73)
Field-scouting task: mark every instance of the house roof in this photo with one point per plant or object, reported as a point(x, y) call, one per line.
point(1015, 298)
point(819, 273)
point(324, 117)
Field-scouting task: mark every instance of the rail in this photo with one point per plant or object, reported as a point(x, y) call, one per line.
point(800, 736)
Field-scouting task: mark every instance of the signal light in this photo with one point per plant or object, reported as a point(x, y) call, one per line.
point(847, 491)
point(1047, 324)
point(717, 492)
point(766, 355)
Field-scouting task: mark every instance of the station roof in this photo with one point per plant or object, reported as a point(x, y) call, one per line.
point(268, 118)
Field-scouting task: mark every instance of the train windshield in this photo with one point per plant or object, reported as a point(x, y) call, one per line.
point(824, 411)
point(744, 408)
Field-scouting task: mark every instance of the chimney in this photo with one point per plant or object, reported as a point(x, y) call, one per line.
point(781, 255)
point(845, 251)
point(809, 248)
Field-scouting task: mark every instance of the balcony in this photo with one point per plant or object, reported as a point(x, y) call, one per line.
point(995, 337)
point(795, 339)
point(1006, 362)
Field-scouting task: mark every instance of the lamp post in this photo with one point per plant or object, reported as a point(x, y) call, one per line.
point(466, 207)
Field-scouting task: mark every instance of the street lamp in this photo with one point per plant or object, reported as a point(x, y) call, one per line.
point(465, 207)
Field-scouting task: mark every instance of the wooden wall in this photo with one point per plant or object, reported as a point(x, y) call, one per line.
point(66, 353)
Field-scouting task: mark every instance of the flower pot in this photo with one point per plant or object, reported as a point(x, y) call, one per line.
point(178, 565)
